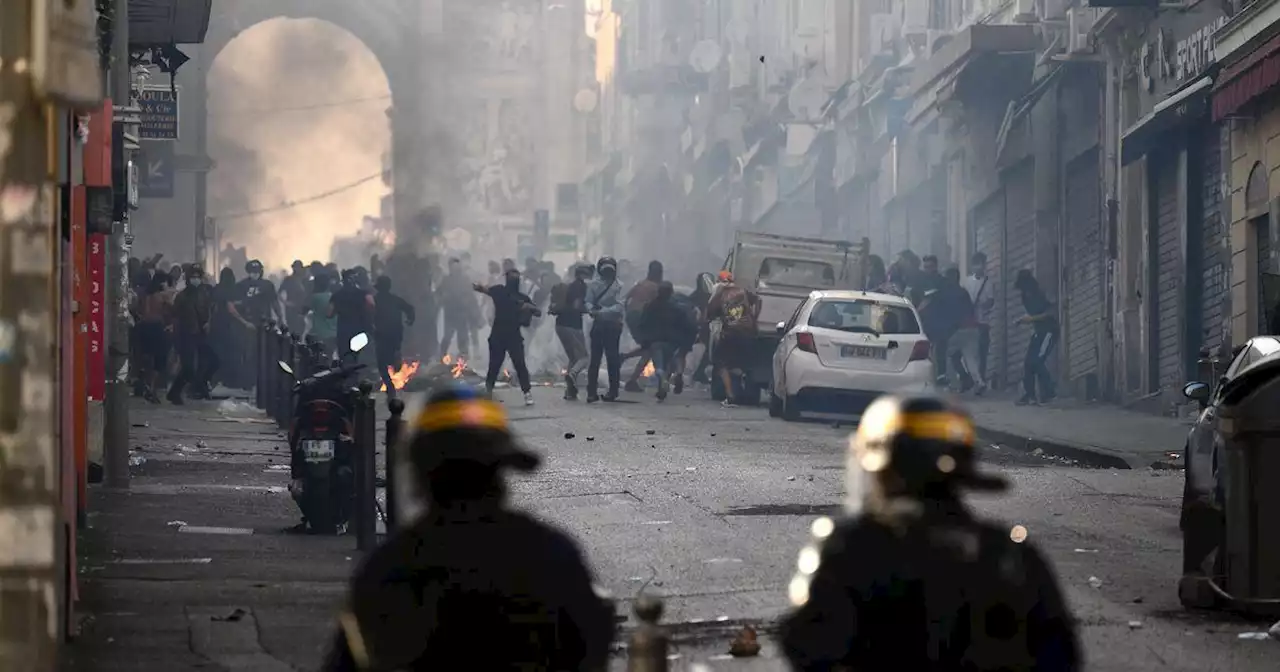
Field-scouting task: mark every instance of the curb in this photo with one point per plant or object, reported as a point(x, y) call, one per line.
point(1089, 456)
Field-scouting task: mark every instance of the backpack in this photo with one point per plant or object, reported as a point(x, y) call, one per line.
point(738, 309)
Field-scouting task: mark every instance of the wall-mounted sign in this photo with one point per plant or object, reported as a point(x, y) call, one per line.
point(1165, 59)
point(97, 323)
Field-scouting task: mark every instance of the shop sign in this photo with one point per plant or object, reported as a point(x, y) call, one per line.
point(1163, 59)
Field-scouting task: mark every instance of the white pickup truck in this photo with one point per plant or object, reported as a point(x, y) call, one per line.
point(782, 271)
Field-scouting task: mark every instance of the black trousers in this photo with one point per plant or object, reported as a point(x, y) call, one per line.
point(1035, 368)
point(197, 362)
point(604, 344)
point(501, 347)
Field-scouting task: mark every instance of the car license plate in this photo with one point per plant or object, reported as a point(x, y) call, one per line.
point(863, 352)
point(317, 451)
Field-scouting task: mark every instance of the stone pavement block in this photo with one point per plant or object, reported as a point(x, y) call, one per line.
point(1092, 434)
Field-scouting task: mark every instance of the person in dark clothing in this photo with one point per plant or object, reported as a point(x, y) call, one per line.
point(512, 310)
point(667, 326)
point(910, 578)
point(473, 583)
point(929, 294)
point(700, 297)
point(635, 302)
point(1044, 321)
point(193, 310)
point(353, 308)
point(390, 315)
point(257, 301)
point(228, 330)
point(568, 304)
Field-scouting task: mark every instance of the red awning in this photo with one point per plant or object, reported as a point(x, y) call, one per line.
point(1247, 79)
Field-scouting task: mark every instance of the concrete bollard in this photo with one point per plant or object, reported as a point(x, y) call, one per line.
point(395, 428)
point(365, 465)
point(647, 651)
point(282, 379)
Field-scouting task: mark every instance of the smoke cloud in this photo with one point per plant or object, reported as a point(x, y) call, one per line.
point(296, 109)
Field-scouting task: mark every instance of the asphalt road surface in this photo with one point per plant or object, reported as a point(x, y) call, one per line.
point(704, 506)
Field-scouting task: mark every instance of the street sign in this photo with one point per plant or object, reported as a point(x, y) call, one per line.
point(160, 113)
point(155, 165)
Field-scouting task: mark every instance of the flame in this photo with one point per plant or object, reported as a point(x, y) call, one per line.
point(506, 374)
point(458, 367)
point(401, 376)
point(446, 360)
point(649, 370)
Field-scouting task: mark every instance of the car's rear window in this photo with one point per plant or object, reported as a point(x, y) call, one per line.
point(796, 273)
point(864, 316)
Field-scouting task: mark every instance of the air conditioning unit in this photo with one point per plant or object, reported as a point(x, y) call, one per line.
point(1025, 11)
point(1080, 22)
point(934, 39)
point(884, 33)
point(915, 21)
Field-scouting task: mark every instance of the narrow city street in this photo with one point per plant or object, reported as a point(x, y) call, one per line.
point(703, 506)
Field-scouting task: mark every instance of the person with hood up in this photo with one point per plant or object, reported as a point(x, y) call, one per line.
point(193, 310)
point(667, 327)
point(910, 578)
point(473, 583)
point(605, 307)
point(512, 311)
point(636, 300)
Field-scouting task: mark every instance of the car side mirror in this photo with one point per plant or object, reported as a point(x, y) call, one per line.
point(285, 367)
point(1198, 392)
point(781, 328)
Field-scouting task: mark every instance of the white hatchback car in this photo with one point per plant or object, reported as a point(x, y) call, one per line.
point(841, 349)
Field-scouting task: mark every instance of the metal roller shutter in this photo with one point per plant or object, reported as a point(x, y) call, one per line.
point(988, 238)
point(1020, 253)
point(1083, 266)
point(1166, 243)
point(1213, 237)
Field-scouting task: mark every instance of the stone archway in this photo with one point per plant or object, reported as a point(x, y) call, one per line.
point(385, 29)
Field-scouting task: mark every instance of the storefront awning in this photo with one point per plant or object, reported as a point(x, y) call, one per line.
point(1247, 79)
point(153, 22)
point(1150, 131)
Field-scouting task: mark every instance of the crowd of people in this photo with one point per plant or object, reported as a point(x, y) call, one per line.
point(957, 313)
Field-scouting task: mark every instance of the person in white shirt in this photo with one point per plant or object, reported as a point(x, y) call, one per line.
point(982, 291)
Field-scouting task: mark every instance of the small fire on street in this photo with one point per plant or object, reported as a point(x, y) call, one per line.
point(400, 377)
point(649, 370)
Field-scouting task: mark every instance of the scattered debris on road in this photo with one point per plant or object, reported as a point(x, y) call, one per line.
point(568, 435)
point(1135, 625)
point(233, 617)
point(1095, 582)
point(746, 644)
point(650, 432)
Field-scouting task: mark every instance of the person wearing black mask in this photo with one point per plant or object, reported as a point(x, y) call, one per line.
point(193, 310)
point(667, 326)
point(353, 307)
point(568, 304)
point(604, 304)
point(390, 315)
point(512, 310)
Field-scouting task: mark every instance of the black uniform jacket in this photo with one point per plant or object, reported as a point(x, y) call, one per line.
point(930, 592)
point(492, 591)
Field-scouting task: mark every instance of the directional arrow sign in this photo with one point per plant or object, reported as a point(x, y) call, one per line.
point(156, 160)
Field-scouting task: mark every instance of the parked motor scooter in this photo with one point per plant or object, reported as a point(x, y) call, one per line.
point(321, 441)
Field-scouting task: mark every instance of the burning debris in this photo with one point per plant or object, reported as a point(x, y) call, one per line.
point(448, 368)
point(401, 377)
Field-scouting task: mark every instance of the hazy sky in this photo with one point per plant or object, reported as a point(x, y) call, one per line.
point(297, 108)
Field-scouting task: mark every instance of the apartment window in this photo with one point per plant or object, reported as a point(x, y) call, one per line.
point(940, 14)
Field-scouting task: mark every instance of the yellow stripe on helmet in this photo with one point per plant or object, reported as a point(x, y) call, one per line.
point(937, 426)
point(463, 414)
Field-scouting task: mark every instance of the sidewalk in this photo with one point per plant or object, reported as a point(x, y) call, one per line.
point(191, 565)
point(1096, 435)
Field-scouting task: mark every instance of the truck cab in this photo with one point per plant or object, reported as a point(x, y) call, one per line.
point(782, 271)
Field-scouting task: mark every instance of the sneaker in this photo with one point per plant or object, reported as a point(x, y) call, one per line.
point(570, 395)
point(1026, 400)
point(611, 395)
point(662, 390)
point(528, 398)
point(592, 397)
point(677, 383)
point(633, 386)
point(570, 386)
point(980, 390)
point(728, 403)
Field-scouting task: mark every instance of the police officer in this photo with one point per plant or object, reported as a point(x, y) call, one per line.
point(473, 584)
point(910, 579)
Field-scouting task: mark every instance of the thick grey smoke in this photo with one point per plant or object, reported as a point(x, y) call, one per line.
point(297, 108)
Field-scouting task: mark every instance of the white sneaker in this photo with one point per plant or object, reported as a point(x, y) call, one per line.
point(528, 398)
